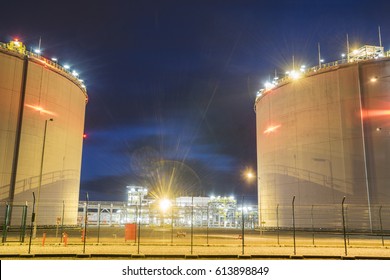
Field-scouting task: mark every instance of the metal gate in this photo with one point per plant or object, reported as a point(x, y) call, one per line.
point(14, 223)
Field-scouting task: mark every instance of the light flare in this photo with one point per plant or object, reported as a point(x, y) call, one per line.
point(374, 113)
point(271, 128)
point(41, 110)
point(165, 204)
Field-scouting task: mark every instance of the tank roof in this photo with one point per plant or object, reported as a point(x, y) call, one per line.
point(17, 48)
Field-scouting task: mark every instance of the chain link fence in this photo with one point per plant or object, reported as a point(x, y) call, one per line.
point(210, 228)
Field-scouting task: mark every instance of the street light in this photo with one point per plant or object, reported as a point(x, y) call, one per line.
point(249, 176)
point(40, 177)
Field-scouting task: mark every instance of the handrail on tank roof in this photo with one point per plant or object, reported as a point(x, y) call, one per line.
point(50, 63)
point(322, 66)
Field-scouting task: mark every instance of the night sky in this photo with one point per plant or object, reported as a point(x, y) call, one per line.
point(172, 84)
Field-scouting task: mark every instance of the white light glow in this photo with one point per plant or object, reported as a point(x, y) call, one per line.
point(271, 128)
point(164, 204)
point(295, 75)
point(269, 85)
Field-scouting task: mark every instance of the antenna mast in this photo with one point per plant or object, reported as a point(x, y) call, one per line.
point(319, 55)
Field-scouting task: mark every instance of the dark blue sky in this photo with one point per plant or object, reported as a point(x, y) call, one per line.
point(175, 81)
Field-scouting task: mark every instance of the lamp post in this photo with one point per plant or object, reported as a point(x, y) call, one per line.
point(40, 177)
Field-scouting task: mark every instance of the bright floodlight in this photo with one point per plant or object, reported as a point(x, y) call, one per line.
point(54, 59)
point(66, 66)
point(250, 175)
point(295, 75)
point(38, 51)
point(164, 204)
point(74, 73)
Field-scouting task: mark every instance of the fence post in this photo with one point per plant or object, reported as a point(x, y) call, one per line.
point(242, 227)
point(85, 221)
point(293, 216)
point(32, 223)
point(98, 223)
point(277, 222)
point(312, 222)
point(139, 221)
point(344, 231)
point(346, 224)
point(192, 223)
point(62, 220)
point(380, 221)
point(171, 224)
point(24, 221)
point(6, 223)
point(207, 229)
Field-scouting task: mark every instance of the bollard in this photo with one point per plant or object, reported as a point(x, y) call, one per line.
point(43, 239)
point(65, 238)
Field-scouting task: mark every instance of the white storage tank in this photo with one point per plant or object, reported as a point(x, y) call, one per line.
point(326, 135)
point(41, 135)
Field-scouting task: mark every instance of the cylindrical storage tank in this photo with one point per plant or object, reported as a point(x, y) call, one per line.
point(320, 138)
point(41, 136)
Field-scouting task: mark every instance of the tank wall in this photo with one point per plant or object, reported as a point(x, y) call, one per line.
point(320, 148)
point(376, 103)
point(10, 83)
point(62, 101)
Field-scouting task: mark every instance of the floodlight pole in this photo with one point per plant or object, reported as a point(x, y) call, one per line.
point(40, 175)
